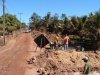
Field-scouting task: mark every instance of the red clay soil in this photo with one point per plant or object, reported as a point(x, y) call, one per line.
point(13, 55)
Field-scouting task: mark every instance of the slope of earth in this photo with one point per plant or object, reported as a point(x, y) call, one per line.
point(64, 62)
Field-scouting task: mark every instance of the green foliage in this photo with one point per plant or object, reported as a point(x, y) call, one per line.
point(97, 19)
point(11, 28)
point(34, 20)
point(1, 33)
point(81, 25)
point(11, 23)
point(55, 21)
point(86, 29)
point(74, 20)
point(1, 26)
point(47, 19)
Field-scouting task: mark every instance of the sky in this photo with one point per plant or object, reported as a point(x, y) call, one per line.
point(41, 7)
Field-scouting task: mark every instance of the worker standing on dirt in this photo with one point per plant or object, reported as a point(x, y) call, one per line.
point(66, 42)
point(87, 67)
point(56, 41)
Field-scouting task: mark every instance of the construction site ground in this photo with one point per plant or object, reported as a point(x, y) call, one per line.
point(20, 57)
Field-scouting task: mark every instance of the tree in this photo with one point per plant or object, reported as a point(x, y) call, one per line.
point(55, 20)
point(74, 21)
point(35, 20)
point(11, 22)
point(97, 20)
point(87, 27)
point(47, 19)
point(64, 19)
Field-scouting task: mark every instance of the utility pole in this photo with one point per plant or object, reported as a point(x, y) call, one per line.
point(3, 21)
point(20, 19)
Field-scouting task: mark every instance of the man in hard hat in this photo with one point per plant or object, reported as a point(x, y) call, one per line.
point(87, 66)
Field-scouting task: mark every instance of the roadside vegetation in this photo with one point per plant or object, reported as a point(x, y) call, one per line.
point(11, 23)
point(84, 30)
point(12, 26)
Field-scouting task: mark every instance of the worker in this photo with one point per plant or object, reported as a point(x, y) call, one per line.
point(66, 42)
point(87, 67)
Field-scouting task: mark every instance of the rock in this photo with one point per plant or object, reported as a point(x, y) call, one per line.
point(38, 71)
point(73, 60)
point(76, 73)
point(96, 68)
point(50, 65)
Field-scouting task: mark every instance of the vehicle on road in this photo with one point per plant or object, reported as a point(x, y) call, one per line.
point(27, 30)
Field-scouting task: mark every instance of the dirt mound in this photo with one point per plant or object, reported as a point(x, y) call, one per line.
point(66, 61)
point(50, 65)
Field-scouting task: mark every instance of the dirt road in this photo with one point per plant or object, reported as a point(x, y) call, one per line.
point(13, 56)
